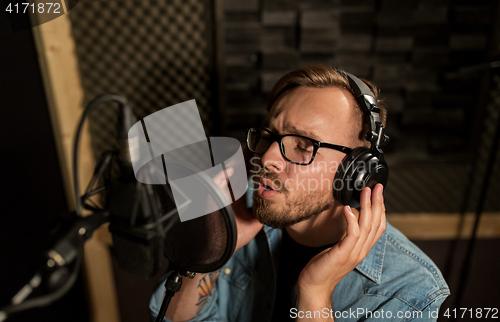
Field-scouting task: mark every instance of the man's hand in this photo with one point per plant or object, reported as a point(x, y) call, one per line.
point(324, 271)
point(247, 226)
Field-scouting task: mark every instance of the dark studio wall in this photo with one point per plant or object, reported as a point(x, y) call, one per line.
point(408, 48)
point(155, 54)
point(430, 60)
point(161, 53)
point(33, 204)
point(418, 52)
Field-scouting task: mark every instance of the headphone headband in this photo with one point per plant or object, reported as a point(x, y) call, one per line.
point(361, 89)
point(363, 167)
point(367, 100)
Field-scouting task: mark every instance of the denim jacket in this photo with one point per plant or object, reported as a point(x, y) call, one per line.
point(395, 282)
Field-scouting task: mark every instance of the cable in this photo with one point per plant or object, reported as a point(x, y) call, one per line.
point(90, 107)
point(94, 222)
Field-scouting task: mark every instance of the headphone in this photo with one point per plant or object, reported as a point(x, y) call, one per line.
point(363, 167)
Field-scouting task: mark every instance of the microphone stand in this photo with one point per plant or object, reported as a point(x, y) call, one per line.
point(68, 250)
point(172, 285)
point(54, 274)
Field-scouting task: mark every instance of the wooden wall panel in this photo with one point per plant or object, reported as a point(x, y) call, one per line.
point(65, 98)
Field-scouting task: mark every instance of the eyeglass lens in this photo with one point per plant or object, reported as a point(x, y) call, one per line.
point(294, 148)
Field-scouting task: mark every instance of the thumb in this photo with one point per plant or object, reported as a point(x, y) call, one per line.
point(229, 172)
point(220, 178)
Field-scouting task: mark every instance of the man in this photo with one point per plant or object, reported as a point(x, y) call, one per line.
point(314, 259)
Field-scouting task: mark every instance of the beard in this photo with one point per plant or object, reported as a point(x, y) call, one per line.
point(299, 206)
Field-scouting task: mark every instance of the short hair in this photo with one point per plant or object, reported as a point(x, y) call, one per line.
point(319, 76)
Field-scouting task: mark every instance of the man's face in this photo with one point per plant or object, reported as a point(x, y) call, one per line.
point(300, 192)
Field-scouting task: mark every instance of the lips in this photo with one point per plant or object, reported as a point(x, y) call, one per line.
point(267, 184)
point(267, 189)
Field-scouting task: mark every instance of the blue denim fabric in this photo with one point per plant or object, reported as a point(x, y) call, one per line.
point(395, 282)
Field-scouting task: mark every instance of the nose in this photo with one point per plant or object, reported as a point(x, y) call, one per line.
point(272, 159)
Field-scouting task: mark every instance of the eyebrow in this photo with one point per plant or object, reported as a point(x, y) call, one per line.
point(292, 129)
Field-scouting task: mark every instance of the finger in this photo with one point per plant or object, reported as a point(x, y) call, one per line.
point(220, 178)
point(348, 243)
point(377, 214)
point(233, 162)
point(229, 172)
point(378, 206)
point(365, 215)
point(381, 229)
point(383, 220)
point(365, 219)
point(223, 183)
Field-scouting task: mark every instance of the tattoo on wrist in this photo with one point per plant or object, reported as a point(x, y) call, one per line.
point(206, 285)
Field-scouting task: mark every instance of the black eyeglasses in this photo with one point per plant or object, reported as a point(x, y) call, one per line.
point(296, 149)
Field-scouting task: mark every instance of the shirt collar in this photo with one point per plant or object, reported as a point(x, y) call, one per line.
point(372, 265)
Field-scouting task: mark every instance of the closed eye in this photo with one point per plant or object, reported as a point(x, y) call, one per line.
point(302, 149)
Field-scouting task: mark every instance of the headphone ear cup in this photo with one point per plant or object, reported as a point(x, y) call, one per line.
point(342, 184)
point(360, 169)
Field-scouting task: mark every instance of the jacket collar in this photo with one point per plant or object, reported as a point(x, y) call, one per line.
point(371, 266)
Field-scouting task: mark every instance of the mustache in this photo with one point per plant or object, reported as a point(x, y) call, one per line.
point(272, 176)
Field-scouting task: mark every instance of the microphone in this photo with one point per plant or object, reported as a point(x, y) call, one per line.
point(169, 148)
point(134, 211)
point(172, 206)
point(189, 220)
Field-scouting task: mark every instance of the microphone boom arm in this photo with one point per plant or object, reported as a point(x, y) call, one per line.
point(54, 274)
point(68, 250)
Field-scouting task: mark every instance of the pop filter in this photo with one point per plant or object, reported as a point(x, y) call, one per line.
point(203, 244)
point(170, 152)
